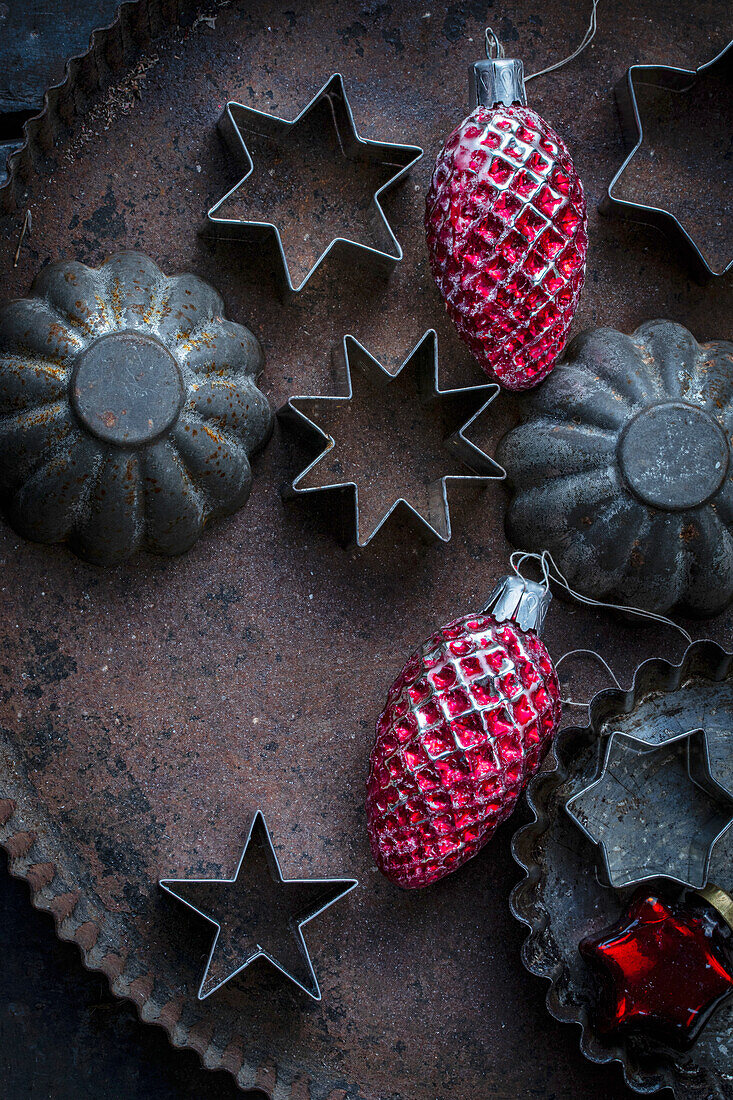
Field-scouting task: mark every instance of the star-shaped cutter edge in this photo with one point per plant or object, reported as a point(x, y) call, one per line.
point(484, 467)
point(236, 117)
point(676, 80)
point(259, 823)
point(700, 776)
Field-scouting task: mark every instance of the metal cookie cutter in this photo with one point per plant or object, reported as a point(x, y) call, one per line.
point(258, 913)
point(421, 368)
point(655, 810)
point(675, 80)
point(326, 121)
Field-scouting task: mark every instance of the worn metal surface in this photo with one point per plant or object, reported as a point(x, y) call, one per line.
point(128, 409)
point(654, 813)
point(287, 160)
point(663, 701)
point(148, 709)
point(709, 87)
point(398, 413)
point(622, 468)
point(36, 43)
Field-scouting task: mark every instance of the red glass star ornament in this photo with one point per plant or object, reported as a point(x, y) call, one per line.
point(664, 969)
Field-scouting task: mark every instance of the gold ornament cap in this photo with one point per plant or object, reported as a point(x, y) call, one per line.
point(719, 900)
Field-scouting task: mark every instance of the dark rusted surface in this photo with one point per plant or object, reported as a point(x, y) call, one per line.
point(663, 701)
point(148, 709)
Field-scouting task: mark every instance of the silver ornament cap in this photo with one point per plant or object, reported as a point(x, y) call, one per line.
point(515, 599)
point(496, 79)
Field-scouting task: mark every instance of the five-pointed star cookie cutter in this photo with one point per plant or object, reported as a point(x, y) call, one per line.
point(347, 519)
point(238, 121)
point(675, 80)
point(328, 891)
point(654, 811)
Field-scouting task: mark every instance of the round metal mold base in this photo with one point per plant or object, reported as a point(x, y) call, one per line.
point(127, 389)
point(561, 898)
point(673, 456)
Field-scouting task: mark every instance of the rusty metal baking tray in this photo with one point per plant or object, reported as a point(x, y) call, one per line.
point(146, 710)
point(559, 861)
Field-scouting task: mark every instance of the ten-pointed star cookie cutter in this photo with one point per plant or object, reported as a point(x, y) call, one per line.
point(675, 80)
point(654, 811)
point(250, 916)
point(347, 520)
point(238, 121)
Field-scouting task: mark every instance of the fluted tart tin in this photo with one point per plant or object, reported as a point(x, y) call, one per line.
point(622, 468)
point(128, 409)
point(563, 900)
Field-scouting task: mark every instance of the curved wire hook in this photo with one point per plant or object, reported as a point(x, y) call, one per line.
point(494, 48)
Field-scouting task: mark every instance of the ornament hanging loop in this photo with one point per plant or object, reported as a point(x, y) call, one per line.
point(494, 48)
point(551, 573)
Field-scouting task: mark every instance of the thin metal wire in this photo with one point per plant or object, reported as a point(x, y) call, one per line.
point(494, 48)
point(551, 573)
point(590, 653)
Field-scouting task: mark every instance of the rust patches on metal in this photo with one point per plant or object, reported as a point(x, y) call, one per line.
point(86, 935)
point(63, 905)
point(141, 989)
point(40, 875)
point(20, 844)
point(7, 809)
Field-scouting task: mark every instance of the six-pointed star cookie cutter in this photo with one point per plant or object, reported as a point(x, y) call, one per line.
point(642, 783)
point(437, 524)
point(237, 121)
point(332, 889)
point(675, 80)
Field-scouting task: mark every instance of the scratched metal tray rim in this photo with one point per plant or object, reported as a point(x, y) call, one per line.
point(541, 956)
point(77, 918)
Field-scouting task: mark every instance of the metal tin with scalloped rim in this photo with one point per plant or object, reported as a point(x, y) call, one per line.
point(128, 409)
point(622, 469)
point(561, 898)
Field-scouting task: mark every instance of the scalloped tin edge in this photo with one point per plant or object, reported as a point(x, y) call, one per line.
point(80, 918)
point(31, 857)
point(524, 901)
point(112, 48)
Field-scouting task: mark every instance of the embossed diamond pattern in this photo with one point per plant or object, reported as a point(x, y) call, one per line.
point(467, 722)
point(506, 218)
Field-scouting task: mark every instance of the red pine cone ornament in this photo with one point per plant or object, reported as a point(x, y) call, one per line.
point(467, 723)
point(506, 228)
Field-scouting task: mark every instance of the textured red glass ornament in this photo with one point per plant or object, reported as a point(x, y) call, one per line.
point(506, 227)
point(664, 969)
point(467, 722)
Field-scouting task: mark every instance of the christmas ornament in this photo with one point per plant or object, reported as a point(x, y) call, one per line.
point(665, 967)
point(622, 468)
point(128, 409)
point(505, 220)
point(467, 723)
